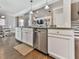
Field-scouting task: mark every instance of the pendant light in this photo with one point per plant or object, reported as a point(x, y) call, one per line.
point(46, 7)
point(31, 12)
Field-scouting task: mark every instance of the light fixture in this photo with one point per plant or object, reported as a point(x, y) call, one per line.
point(46, 7)
point(37, 12)
point(31, 12)
point(21, 22)
point(2, 16)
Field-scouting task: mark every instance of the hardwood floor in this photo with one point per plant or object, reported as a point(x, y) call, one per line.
point(77, 49)
point(8, 52)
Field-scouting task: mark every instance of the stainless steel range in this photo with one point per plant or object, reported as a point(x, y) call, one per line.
point(40, 40)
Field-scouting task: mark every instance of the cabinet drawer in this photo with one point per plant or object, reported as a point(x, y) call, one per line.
point(60, 32)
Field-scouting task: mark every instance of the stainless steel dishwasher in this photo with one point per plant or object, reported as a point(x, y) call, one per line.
point(40, 40)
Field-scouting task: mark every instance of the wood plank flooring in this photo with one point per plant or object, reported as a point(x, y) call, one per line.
point(8, 52)
point(77, 49)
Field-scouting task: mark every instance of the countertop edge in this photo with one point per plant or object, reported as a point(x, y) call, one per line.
point(51, 28)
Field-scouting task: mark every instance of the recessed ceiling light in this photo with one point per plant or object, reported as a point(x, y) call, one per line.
point(2, 16)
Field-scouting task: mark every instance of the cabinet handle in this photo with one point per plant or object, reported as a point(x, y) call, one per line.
point(37, 31)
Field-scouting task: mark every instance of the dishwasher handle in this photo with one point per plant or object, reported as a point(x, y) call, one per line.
point(37, 31)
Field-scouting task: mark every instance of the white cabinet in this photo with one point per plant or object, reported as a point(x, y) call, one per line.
point(67, 12)
point(27, 36)
point(18, 33)
point(61, 44)
point(62, 14)
point(30, 37)
point(58, 17)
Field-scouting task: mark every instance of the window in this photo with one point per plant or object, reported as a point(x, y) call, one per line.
point(2, 22)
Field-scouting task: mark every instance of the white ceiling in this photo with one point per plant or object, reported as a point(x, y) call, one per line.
point(18, 6)
point(15, 5)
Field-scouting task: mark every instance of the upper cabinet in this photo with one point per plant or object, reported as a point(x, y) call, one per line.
point(62, 14)
point(58, 17)
point(67, 12)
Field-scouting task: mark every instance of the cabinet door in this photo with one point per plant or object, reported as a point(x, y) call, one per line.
point(58, 47)
point(58, 18)
point(30, 38)
point(62, 14)
point(18, 34)
point(25, 37)
point(67, 12)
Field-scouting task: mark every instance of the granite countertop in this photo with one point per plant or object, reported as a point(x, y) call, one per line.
point(48, 27)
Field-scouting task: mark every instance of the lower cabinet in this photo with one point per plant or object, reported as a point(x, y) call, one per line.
point(28, 37)
point(58, 47)
point(18, 34)
point(25, 35)
point(61, 44)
